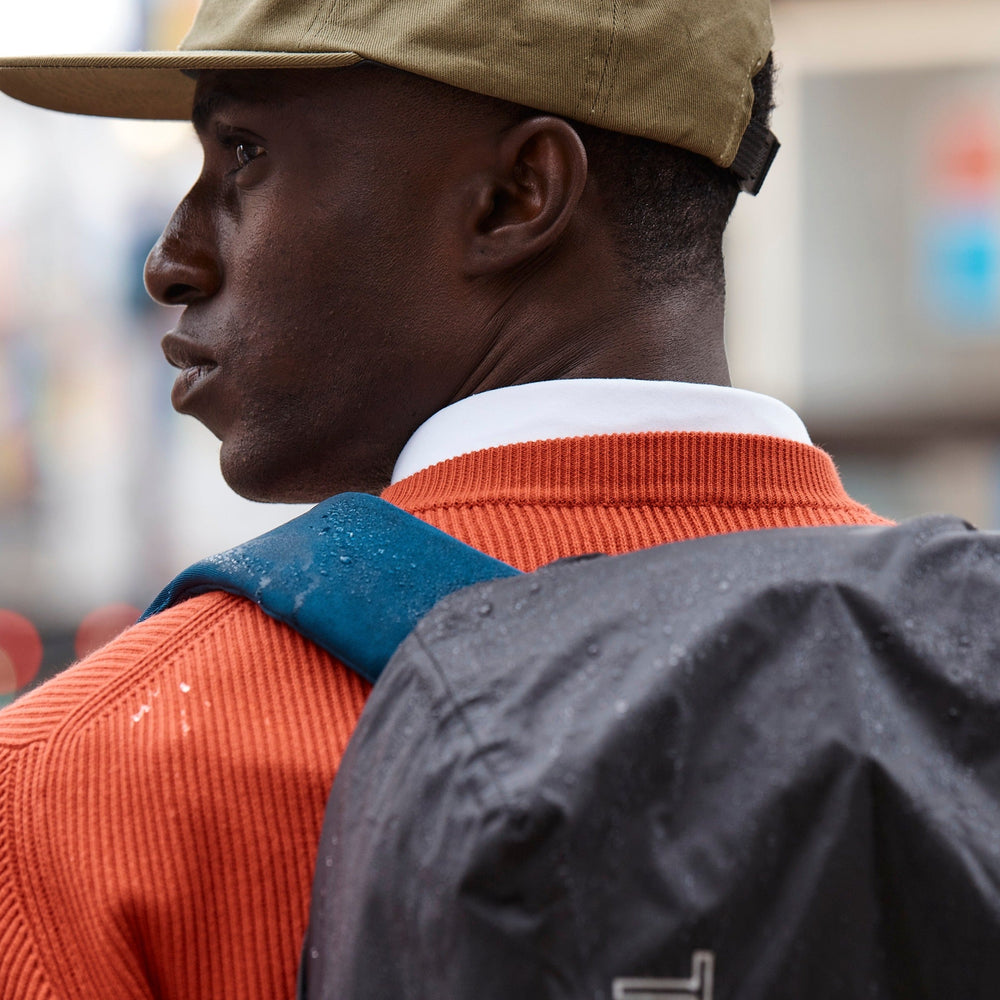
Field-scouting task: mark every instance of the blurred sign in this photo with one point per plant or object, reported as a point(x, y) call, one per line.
point(960, 258)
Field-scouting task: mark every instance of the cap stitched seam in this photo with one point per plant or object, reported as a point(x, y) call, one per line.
point(736, 136)
point(607, 60)
point(615, 61)
point(579, 111)
point(326, 13)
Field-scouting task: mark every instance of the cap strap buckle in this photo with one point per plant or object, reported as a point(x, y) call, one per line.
point(757, 151)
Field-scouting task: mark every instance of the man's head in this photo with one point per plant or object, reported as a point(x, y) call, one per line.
point(365, 245)
point(344, 260)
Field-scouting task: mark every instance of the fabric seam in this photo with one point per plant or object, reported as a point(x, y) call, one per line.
point(653, 505)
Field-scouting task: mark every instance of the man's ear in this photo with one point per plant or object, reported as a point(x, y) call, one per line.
point(522, 206)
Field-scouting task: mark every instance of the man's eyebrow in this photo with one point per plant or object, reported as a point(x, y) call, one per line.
point(208, 105)
point(218, 98)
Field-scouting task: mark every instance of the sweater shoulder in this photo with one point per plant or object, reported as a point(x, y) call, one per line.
point(192, 637)
point(139, 791)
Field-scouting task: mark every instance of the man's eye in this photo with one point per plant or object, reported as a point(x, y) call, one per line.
point(247, 152)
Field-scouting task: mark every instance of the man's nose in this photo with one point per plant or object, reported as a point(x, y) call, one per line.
point(183, 267)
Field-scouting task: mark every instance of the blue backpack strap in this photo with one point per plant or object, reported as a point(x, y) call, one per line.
point(354, 574)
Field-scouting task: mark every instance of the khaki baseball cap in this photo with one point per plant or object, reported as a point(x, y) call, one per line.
point(677, 71)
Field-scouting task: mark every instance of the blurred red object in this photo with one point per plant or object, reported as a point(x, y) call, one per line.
point(964, 150)
point(102, 625)
point(20, 651)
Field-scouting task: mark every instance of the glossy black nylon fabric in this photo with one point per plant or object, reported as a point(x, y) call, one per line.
point(780, 749)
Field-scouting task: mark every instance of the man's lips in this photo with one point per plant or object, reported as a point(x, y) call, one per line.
point(194, 362)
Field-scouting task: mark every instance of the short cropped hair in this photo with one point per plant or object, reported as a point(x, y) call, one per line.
point(669, 206)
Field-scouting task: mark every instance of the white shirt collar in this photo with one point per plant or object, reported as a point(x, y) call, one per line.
point(564, 408)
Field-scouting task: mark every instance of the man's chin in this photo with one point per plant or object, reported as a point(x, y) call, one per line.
point(263, 489)
point(283, 483)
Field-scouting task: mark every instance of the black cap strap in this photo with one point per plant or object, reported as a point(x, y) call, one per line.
point(757, 151)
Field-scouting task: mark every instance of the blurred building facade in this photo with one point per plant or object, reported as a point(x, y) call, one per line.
point(865, 279)
point(105, 493)
point(864, 291)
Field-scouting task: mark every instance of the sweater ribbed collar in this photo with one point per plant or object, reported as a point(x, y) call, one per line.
point(675, 469)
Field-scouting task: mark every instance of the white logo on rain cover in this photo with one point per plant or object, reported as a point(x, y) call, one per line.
point(697, 987)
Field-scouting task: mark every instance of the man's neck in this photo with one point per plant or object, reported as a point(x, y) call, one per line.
point(596, 321)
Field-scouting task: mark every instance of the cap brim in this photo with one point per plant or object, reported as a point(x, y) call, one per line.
point(137, 84)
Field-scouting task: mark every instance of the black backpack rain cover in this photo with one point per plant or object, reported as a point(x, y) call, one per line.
point(755, 766)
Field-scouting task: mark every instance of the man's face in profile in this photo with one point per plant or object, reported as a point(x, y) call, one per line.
point(312, 256)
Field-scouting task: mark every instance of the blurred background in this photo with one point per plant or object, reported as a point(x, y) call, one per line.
point(864, 288)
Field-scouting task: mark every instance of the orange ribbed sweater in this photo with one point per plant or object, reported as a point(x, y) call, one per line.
point(161, 800)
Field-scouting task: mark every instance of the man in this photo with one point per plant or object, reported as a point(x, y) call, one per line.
point(474, 249)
